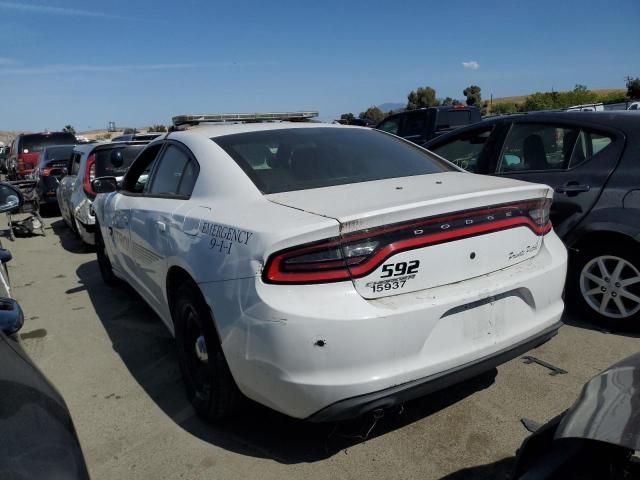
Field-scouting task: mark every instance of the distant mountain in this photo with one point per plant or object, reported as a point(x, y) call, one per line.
point(385, 107)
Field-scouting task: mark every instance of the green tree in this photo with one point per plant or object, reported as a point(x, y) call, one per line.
point(447, 101)
point(347, 118)
point(633, 88)
point(538, 101)
point(372, 113)
point(128, 131)
point(578, 96)
point(473, 95)
point(421, 97)
point(502, 108)
point(157, 128)
point(70, 129)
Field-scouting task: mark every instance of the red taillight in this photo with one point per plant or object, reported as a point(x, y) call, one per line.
point(89, 175)
point(359, 253)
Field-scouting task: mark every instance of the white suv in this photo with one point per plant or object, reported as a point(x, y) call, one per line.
point(326, 271)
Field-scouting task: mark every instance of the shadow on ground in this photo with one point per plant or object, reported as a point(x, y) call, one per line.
point(147, 349)
point(500, 470)
point(68, 239)
point(577, 320)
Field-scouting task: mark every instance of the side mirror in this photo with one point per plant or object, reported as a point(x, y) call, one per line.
point(11, 316)
point(10, 198)
point(105, 184)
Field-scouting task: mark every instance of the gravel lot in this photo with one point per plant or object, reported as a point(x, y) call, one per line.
point(115, 364)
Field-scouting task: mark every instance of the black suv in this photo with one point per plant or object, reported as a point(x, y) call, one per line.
point(592, 160)
point(423, 124)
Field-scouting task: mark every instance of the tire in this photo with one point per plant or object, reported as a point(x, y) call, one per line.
point(207, 378)
point(611, 297)
point(106, 271)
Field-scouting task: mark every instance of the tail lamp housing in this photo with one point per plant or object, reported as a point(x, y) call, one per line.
point(358, 254)
point(89, 175)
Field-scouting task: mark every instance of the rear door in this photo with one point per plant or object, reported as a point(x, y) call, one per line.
point(153, 230)
point(575, 159)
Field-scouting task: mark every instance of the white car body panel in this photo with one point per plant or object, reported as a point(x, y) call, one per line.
point(73, 201)
point(224, 233)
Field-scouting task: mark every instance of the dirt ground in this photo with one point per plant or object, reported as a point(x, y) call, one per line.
point(115, 364)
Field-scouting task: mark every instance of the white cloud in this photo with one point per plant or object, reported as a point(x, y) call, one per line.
point(46, 9)
point(472, 65)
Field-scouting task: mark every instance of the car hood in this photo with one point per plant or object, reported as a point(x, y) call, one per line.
point(608, 408)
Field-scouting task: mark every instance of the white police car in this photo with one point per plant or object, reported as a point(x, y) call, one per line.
point(326, 271)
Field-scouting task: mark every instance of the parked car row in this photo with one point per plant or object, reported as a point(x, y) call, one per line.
point(75, 193)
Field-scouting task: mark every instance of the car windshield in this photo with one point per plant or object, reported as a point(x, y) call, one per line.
point(302, 158)
point(114, 162)
point(38, 142)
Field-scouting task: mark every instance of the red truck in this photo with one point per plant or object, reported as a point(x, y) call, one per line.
point(26, 148)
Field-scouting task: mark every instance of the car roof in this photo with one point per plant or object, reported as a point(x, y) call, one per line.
point(90, 147)
point(219, 130)
point(614, 118)
point(622, 120)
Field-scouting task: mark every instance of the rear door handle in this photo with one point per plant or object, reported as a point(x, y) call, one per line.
point(573, 188)
point(161, 226)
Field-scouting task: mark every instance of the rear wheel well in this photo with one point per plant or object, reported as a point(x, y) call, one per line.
point(176, 276)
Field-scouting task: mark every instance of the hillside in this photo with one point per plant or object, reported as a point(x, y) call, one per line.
point(522, 98)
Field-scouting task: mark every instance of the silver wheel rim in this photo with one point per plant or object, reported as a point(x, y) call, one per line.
point(610, 285)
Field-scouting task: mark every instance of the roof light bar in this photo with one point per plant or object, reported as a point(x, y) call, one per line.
point(241, 117)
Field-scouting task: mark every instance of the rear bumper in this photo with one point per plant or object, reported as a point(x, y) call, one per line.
point(87, 232)
point(356, 406)
point(85, 220)
point(323, 352)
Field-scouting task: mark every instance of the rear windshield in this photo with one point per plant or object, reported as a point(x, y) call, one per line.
point(302, 158)
point(57, 155)
point(146, 136)
point(38, 141)
point(114, 162)
point(454, 118)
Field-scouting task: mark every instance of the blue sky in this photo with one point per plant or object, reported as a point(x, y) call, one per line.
point(140, 62)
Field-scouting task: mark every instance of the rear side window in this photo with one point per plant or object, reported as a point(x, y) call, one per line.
point(302, 158)
point(175, 174)
point(38, 141)
point(588, 144)
point(454, 118)
point(114, 162)
point(537, 147)
point(465, 150)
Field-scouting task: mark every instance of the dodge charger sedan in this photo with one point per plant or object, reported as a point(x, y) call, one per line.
point(327, 271)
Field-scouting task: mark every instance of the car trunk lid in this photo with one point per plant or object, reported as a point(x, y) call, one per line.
point(407, 234)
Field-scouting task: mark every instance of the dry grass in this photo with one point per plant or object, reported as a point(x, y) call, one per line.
point(521, 98)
